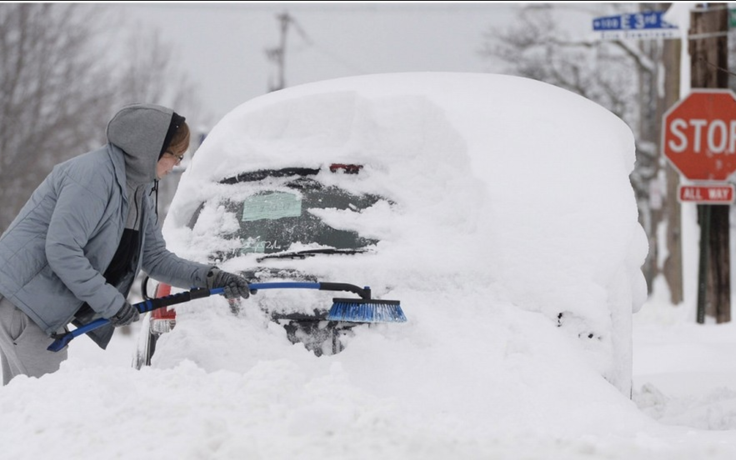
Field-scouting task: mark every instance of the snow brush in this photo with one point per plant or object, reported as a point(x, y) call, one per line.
point(363, 310)
point(62, 340)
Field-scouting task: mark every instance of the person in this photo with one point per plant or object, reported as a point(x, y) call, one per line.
point(74, 249)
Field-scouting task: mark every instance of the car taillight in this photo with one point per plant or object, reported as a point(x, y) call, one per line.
point(347, 169)
point(162, 319)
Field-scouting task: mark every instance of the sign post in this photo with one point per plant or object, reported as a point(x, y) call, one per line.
point(699, 140)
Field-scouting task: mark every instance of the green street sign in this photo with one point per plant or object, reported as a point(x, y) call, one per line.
point(732, 17)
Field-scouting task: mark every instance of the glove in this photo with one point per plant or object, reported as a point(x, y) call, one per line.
point(126, 315)
point(235, 286)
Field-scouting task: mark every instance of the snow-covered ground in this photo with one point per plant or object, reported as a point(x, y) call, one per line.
point(684, 372)
point(514, 205)
point(98, 407)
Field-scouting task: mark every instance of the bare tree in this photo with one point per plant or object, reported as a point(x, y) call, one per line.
point(151, 73)
point(62, 78)
point(52, 95)
point(616, 74)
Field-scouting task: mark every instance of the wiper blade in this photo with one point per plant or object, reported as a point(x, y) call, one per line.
point(255, 176)
point(310, 253)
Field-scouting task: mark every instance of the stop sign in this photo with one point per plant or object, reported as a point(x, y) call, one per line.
point(699, 134)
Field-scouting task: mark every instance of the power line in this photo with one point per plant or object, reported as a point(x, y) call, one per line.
point(278, 54)
point(310, 43)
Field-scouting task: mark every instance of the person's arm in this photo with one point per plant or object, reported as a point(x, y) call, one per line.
point(77, 213)
point(163, 265)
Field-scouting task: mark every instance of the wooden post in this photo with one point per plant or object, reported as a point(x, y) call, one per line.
point(708, 46)
point(278, 55)
point(673, 267)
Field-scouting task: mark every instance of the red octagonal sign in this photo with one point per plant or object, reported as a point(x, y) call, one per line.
point(699, 135)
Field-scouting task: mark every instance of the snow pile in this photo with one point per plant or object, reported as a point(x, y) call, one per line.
point(508, 190)
point(512, 243)
point(685, 372)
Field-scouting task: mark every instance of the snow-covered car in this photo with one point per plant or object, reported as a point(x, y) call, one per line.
point(497, 209)
point(277, 218)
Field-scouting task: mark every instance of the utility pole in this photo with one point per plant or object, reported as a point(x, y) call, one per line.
point(278, 54)
point(673, 263)
point(708, 47)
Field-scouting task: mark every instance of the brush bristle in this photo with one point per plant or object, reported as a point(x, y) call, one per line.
point(366, 311)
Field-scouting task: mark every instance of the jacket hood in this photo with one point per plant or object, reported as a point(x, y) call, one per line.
point(140, 130)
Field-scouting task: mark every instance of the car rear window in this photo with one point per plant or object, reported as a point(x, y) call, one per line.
point(273, 218)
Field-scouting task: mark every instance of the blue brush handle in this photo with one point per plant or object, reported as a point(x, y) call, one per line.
point(364, 293)
point(142, 307)
point(186, 296)
point(284, 285)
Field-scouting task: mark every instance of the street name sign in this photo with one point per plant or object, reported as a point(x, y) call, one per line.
point(642, 25)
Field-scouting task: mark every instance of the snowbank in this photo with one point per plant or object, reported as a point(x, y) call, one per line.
point(513, 246)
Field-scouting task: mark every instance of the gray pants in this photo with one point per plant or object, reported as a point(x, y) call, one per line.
point(23, 345)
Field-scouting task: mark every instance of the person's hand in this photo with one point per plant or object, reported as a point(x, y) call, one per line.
point(234, 285)
point(126, 315)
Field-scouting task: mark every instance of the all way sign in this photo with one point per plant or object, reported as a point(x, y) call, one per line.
point(707, 194)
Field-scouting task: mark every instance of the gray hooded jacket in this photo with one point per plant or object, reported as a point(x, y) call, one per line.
point(54, 254)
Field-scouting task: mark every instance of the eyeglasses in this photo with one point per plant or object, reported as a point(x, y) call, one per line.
point(178, 157)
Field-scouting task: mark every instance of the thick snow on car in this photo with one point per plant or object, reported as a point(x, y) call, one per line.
point(277, 219)
point(484, 203)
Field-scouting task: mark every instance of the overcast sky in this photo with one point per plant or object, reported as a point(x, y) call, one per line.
point(222, 45)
